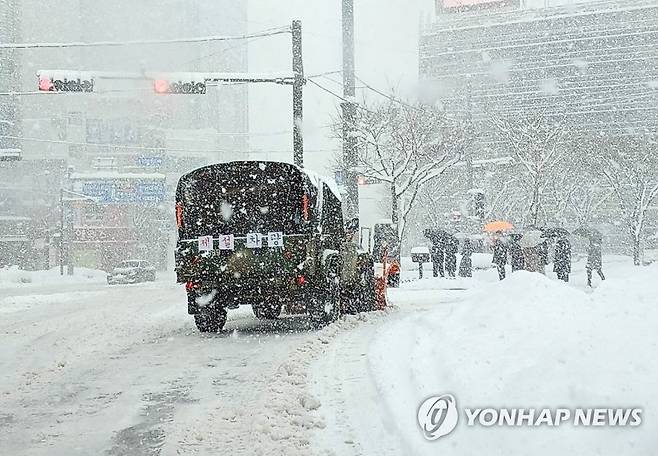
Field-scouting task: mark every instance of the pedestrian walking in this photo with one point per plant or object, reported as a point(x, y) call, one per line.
point(437, 252)
point(452, 247)
point(543, 252)
point(533, 251)
point(500, 257)
point(562, 263)
point(594, 259)
point(466, 263)
point(516, 253)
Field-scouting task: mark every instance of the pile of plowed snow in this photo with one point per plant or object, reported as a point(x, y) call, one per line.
point(528, 342)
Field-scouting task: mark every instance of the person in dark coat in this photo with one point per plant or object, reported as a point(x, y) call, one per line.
point(517, 260)
point(437, 252)
point(562, 263)
point(500, 257)
point(543, 252)
point(466, 263)
point(594, 260)
point(438, 256)
point(452, 247)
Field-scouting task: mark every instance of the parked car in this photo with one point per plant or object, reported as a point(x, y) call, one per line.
point(132, 271)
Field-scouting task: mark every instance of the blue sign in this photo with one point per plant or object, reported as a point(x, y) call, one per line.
point(150, 161)
point(339, 177)
point(125, 192)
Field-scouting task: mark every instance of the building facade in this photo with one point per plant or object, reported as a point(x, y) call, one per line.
point(9, 82)
point(592, 66)
point(124, 138)
point(589, 66)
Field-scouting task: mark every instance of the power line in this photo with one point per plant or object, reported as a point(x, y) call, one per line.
point(329, 91)
point(369, 87)
point(325, 74)
point(222, 51)
point(202, 39)
point(389, 97)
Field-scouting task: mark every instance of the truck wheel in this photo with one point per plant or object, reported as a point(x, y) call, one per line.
point(326, 304)
point(267, 311)
point(210, 320)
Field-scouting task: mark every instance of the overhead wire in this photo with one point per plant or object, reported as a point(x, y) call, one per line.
point(201, 39)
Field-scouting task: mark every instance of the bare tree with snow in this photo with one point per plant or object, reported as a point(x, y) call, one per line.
point(405, 146)
point(537, 146)
point(578, 196)
point(629, 165)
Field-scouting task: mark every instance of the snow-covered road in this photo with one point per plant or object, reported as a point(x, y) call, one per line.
point(122, 371)
point(90, 369)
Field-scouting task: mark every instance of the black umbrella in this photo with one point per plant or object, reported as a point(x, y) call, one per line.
point(436, 235)
point(554, 232)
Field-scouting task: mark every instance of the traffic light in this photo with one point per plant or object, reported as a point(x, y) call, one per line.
point(192, 87)
point(64, 84)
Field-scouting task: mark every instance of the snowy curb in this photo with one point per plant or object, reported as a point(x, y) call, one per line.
point(285, 425)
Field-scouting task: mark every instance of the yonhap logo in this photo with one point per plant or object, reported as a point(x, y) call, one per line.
point(438, 416)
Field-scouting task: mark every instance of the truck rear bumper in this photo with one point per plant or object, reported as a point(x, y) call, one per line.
point(234, 297)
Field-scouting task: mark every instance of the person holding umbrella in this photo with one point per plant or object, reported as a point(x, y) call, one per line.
point(594, 256)
point(466, 263)
point(500, 255)
point(531, 245)
point(499, 245)
point(515, 252)
point(437, 252)
point(594, 259)
point(562, 263)
point(452, 247)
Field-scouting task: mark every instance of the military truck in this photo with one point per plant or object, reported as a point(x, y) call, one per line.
point(271, 236)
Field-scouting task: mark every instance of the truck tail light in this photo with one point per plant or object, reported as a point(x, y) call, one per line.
point(179, 215)
point(305, 211)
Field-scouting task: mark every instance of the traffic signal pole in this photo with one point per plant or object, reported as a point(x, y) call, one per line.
point(190, 83)
point(297, 94)
point(349, 112)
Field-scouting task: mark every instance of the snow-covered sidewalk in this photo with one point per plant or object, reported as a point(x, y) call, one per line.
point(12, 277)
point(528, 342)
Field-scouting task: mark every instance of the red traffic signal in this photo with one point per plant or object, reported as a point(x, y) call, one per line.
point(46, 85)
point(161, 86)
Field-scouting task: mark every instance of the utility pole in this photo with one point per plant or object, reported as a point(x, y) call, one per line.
point(297, 93)
point(349, 112)
point(61, 231)
point(469, 129)
point(69, 226)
